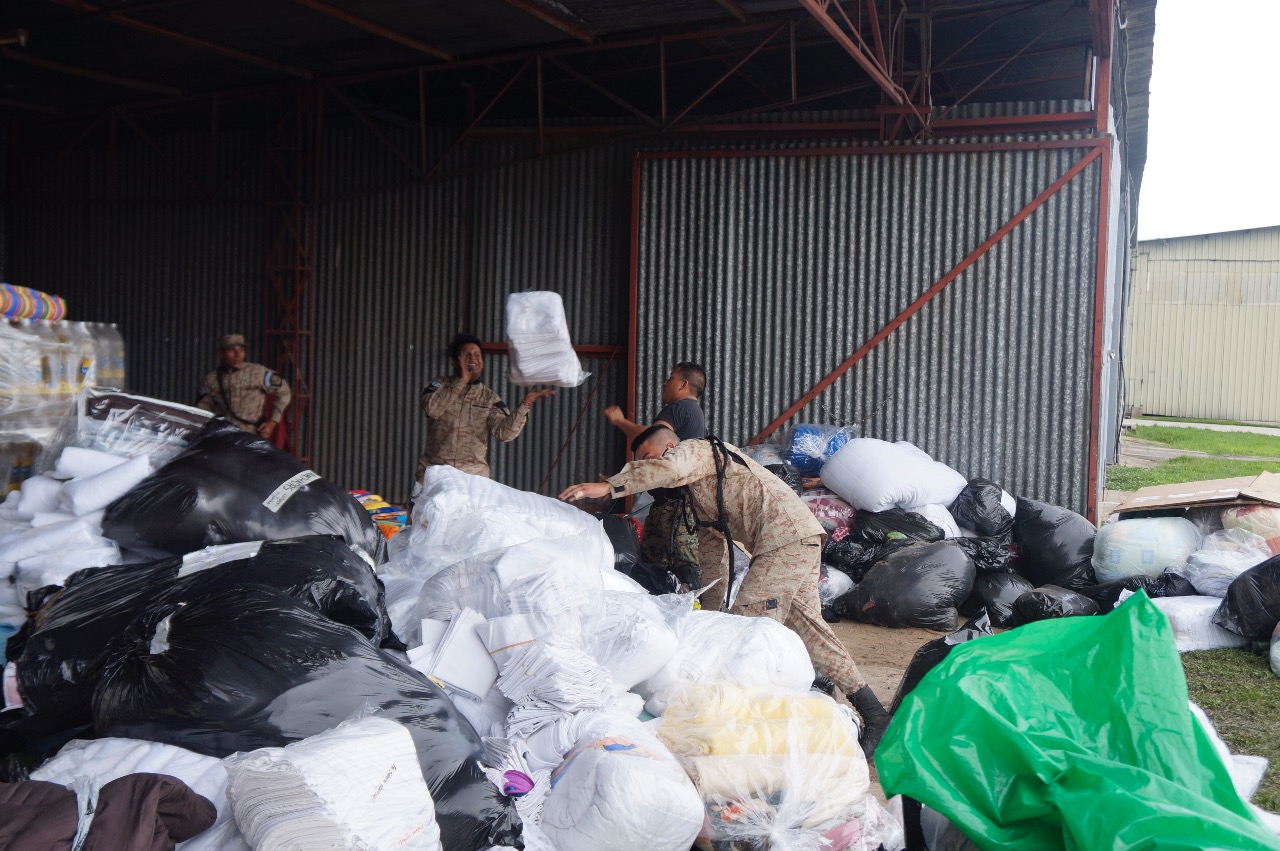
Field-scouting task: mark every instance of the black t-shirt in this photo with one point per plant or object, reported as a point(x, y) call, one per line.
point(685, 416)
point(687, 421)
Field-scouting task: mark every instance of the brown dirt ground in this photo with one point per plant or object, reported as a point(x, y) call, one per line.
point(882, 653)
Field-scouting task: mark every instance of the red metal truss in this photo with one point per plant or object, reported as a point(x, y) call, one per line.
point(852, 42)
point(375, 28)
point(87, 73)
point(554, 18)
point(293, 166)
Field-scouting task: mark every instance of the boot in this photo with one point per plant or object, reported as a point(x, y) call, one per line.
point(874, 719)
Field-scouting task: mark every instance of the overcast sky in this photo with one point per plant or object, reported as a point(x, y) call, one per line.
point(1213, 161)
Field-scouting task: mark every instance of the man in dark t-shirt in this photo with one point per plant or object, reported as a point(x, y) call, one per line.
point(670, 536)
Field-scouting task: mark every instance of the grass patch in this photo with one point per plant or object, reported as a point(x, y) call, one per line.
point(1186, 468)
point(1238, 692)
point(1196, 420)
point(1231, 443)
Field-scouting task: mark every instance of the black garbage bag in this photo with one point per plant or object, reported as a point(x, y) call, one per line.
point(228, 487)
point(932, 653)
point(626, 546)
point(789, 475)
point(67, 642)
point(1107, 594)
point(978, 508)
point(997, 593)
point(894, 525)
point(856, 557)
point(918, 585)
point(1252, 605)
point(1050, 601)
point(245, 670)
point(657, 579)
point(1055, 545)
point(990, 555)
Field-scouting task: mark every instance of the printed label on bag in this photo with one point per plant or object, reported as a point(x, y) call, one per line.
point(281, 495)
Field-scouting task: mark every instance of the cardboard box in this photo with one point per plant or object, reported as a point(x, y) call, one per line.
point(1263, 489)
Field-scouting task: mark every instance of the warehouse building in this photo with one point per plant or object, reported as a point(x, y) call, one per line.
point(907, 215)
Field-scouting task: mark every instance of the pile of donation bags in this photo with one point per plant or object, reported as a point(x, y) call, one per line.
point(912, 542)
point(233, 622)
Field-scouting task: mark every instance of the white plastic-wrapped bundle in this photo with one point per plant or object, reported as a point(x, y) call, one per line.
point(1262, 520)
point(716, 647)
point(620, 789)
point(541, 351)
point(458, 516)
point(67, 537)
point(39, 494)
point(75, 462)
point(1143, 547)
point(631, 638)
point(358, 785)
point(1222, 557)
point(546, 577)
point(873, 475)
point(1193, 626)
point(782, 771)
point(82, 496)
point(105, 760)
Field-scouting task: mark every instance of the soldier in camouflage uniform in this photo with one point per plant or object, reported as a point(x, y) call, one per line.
point(730, 493)
point(670, 538)
point(462, 413)
point(238, 390)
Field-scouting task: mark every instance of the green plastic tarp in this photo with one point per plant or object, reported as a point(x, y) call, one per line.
point(1072, 733)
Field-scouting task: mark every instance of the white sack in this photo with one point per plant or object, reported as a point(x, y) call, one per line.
point(105, 760)
point(459, 516)
point(631, 638)
point(82, 496)
point(620, 789)
point(717, 647)
point(358, 785)
point(77, 463)
point(940, 517)
point(1193, 626)
point(873, 475)
point(541, 351)
point(1143, 547)
point(16, 546)
point(1222, 557)
point(39, 494)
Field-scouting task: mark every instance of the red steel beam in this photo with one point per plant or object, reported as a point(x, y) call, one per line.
point(594, 86)
point(191, 41)
point(588, 352)
point(1103, 82)
point(374, 129)
point(28, 105)
point(375, 28)
point(938, 287)
point(1101, 22)
point(87, 73)
point(727, 74)
point(555, 19)
point(633, 296)
point(462, 137)
point(734, 9)
point(819, 12)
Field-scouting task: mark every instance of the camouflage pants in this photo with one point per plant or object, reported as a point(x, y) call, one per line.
point(783, 585)
point(656, 545)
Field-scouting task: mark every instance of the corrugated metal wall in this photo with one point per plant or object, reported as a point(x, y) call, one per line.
point(1202, 322)
point(771, 270)
point(128, 240)
point(401, 271)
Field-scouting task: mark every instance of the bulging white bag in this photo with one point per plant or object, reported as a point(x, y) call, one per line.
point(541, 351)
point(873, 475)
point(1143, 547)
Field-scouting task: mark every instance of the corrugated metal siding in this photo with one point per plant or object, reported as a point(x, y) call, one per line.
point(172, 269)
point(771, 270)
point(1201, 326)
point(402, 271)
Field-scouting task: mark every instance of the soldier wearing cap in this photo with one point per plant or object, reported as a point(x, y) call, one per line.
point(462, 413)
point(238, 390)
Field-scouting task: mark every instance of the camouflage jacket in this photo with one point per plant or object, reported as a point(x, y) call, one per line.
point(460, 419)
point(246, 390)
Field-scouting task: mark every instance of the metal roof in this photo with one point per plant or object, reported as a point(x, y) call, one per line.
point(596, 59)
